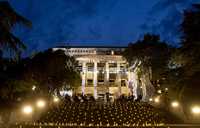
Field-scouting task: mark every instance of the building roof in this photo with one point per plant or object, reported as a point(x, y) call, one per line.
point(76, 46)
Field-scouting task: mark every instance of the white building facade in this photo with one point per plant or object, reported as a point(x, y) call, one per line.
point(102, 69)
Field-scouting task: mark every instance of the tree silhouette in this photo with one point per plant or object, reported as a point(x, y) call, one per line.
point(190, 71)
point(191, 31)
point(151, 51)
point(52, 70)
point(11, 85)
point(8, 18)
point(152, 55)
point(190, 26)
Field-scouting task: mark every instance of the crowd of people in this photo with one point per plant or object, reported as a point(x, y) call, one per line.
point(107, 98)
point(86, 111)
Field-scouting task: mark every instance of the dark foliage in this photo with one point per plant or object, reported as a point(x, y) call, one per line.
point(8, 18)
point(51, 70)
point(151, 51)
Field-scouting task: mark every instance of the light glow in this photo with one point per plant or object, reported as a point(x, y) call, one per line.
point(66, 92)
point(27, 109)
point(157, 100)
point(159, 91)
point(150, 99)
point(55, 99)
point(174, 104)
point(41, 103)
point(34, 87)
point(196, 110)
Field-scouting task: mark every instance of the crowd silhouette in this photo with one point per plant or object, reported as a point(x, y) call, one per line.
point(86, 111)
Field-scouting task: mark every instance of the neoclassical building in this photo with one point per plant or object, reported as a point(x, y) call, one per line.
point(103, 70)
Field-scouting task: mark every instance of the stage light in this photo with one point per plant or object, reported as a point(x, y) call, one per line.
point(27, 109)
point(196, 110)
point(174, 104)
point(166, 89)
point(150, 99)
point(41, 103)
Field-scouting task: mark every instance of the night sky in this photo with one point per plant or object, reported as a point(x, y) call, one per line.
point(98, 22)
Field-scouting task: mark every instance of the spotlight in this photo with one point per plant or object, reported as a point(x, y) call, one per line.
point(174, 104)
point(27, 109)
point(41, 103)
point(196, 110)
point(166, 89)
point(150, 99)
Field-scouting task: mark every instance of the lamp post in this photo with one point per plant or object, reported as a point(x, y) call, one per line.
point(175, 104)
point(157, 100)
point(27, 110)
point(195, 110)
point(41, 103)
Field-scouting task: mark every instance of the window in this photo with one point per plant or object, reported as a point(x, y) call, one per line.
point(123, 83)
point(100, 80)
point(89, 82)
point(111, 81)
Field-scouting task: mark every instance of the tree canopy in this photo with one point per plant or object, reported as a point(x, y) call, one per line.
point(190, 54)
point(52, 70)
point(9, 18)
point(151, 51)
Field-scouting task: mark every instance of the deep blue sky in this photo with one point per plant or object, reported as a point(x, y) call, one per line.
point(98, 22)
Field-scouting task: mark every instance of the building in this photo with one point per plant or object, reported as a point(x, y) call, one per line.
point(103, 70)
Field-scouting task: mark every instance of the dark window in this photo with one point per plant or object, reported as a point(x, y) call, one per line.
point(89, 82)
point(100, 80)
point(123, 83)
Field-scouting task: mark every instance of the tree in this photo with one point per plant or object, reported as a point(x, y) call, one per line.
point(152, 52)
point(190, 26)
point(48, 71)
point(12, 87)
point(10, 83)
point(191, 39)
point(52, 70)
point(8, 18)
point(149, 56)
point(189, 92)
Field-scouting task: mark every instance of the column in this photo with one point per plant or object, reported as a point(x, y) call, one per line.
point(106, 73)
point(95, 80)
point(129, 82)
point(83, 76)
point(106, 77)
point(119, 78)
